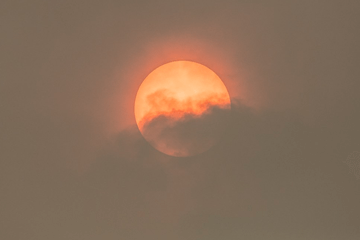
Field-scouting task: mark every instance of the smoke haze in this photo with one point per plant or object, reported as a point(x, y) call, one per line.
point(73, 164)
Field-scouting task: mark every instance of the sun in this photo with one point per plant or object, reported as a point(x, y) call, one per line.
point(174, 99)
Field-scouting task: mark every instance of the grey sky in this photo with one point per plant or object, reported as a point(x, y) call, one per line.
point(74, 166)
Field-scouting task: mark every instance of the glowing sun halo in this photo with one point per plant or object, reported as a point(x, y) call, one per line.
point(173, 100)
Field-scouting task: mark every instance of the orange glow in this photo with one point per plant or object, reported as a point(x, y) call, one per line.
point(178, 88)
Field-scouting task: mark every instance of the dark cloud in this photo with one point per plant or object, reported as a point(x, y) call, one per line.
point(189, 135)
point(68, 80)
point(270, 175)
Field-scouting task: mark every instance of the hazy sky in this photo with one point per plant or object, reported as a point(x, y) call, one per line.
point(74, 166)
